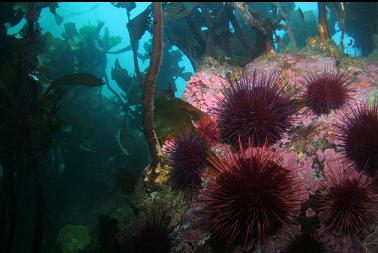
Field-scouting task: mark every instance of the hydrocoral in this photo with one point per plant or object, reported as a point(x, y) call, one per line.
point(250, 196)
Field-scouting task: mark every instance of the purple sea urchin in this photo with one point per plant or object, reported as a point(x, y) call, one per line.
point(359, 137)
point(347, 202)
point(251, 196)
point(256, 107)
point(326, 91)
point(187, 155)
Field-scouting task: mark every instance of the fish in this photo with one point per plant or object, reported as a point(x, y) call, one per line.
point(301, 14)
point(86, 146)
point(363, 84)
point(120, 51)
point(84, 79)
point(350, 43)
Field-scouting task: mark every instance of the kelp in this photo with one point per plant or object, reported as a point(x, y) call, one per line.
point(129, 6)
point(149, 91)
point(139, 25)
point(177, 10)
point(174, 115)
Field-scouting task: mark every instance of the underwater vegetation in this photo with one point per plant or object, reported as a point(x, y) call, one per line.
point(273, 146)
point(73, 238)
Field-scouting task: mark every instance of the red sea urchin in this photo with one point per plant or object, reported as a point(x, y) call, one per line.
point(186, 153)
point(305, 243)
point(152, 231)
point(326, 91)
point(347, 202)
point(251, 196)
point(257, 107)
point(359, 137)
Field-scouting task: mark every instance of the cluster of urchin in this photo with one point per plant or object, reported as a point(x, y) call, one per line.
point(250, 195)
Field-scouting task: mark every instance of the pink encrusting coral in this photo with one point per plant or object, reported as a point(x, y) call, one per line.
point(301, 167)
point(203, 89)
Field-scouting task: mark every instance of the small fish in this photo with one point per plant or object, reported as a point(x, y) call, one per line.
point(301, 14)
point(85, 79)
point(120, 51)
point(363, 84)
point(350, 43)
point(86, 146)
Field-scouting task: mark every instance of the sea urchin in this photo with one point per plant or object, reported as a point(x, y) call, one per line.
point(347, 201)
point(251, 196)
point(186, 153)
point(326, 91)
point(152, 231)
point(305, 243)
point(257, 107)
point(359, 137)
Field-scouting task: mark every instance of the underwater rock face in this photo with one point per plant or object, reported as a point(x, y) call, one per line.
point(77, 128)
point(313, 142)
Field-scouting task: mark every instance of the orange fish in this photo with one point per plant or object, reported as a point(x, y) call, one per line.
point(363, 84)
